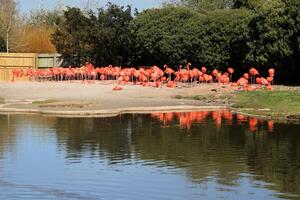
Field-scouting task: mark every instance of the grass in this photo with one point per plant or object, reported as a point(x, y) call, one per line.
point(2, 100)
point(274, 103)
point(196, 97)
point(178, 97)
point(45, 101)
point(210, 98)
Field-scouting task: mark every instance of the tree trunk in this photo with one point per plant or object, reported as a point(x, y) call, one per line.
point(7, 35)
point(7, 42)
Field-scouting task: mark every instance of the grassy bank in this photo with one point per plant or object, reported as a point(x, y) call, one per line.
point(275, 104)
point(278, 104)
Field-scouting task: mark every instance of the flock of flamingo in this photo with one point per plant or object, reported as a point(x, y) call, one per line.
point(152, 76)
point(186, 119)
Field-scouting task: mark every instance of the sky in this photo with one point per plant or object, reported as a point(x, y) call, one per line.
point(27, 5)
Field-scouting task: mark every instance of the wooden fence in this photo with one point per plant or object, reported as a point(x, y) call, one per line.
point(10, 61)
point(48, 60)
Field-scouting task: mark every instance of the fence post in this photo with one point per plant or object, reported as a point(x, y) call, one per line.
point(54, 60)
point(35, 63)
point(5, 72)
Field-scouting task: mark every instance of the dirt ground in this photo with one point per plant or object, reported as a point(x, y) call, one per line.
point(60, 97)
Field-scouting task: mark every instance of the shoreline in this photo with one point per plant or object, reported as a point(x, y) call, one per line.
point(99, 100)
point(103, 113)
point(110, 112)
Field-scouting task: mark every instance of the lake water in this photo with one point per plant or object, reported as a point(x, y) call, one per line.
point(186, 156)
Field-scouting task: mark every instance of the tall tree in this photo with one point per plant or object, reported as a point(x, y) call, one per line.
point(44, 17)
point(42, 23)
point(159, 36)
point(7, 17)
point(102, 39)
point(274, 38)
point(112, 36)
point(177, 35)
point(71, 35)
point(219, 39)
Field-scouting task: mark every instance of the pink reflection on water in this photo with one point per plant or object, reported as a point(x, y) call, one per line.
point(187, 119)
point(253, 124)
point(270, 126)
point(241, 118)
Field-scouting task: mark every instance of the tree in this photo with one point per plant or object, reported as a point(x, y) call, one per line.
point(41, 23)
point(219, 39)
point(71, 35)
point(41, 44)
point(44, 18)
point(159, 37)
point(256, 33)
point(112, 35)
point(102, 39)
point(177, 35)
point(7, 14)
point(274, 38)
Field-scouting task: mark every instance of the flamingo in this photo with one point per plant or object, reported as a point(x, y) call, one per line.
point(215, 73)
point(152, 77)
point(171, 84)
point(203, 69)
point(272, 74)
point(230, 71)
point(117, 88)
point(253, 72)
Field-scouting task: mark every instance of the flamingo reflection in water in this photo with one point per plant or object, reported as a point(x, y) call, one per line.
point(187, 119)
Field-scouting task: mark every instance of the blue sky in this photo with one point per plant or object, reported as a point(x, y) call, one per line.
point(27, 5)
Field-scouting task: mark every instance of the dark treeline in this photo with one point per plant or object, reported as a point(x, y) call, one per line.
point(236, 33)
point(2, 45)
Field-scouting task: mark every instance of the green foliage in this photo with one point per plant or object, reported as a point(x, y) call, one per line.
point(249, 4)
point(274, 38)
point(159, 37)
point(201, 5)
point(112, 36)
point(72, 35)
point(256, 33)
point(218, 38)
point(177, 35)
point(102, 39)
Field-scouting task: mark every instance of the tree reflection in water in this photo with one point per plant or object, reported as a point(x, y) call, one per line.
point(201, 145)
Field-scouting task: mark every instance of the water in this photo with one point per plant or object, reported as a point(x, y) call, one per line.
point(203, 155)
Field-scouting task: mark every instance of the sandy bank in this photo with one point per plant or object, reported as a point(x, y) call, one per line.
point(98, 99)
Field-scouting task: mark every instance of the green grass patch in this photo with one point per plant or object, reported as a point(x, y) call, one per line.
point(272, 103)
point(209, 98)
point(178, 97)
point(198, 97)
point(45, 101)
